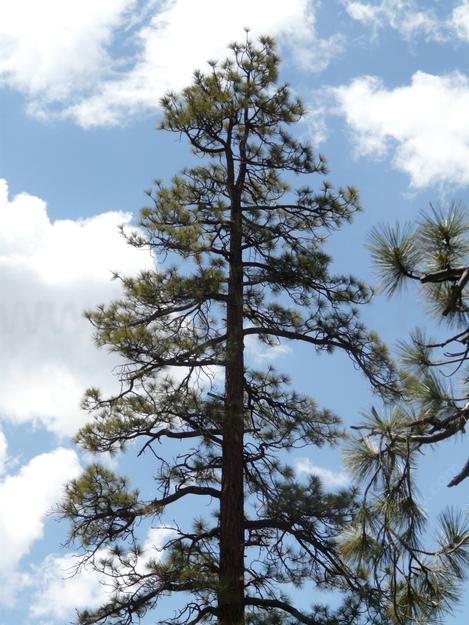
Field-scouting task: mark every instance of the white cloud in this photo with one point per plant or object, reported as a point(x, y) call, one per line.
point(424, 125)
point(413, 17)
point(402, 15)
point(60, 590)
point(50, 48)
point(459, 21)
point(366, 13)
point(25, 500)
point(49, 273)
point(329, 478)
point(259, 352)
point(205, 27)
point(63, 60)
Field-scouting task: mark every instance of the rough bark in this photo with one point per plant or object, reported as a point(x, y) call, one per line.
point(231, 596)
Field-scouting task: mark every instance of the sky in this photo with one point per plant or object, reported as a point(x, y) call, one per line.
point(386, 87)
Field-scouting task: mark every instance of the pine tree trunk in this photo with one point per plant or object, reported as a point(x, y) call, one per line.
point(231, 597)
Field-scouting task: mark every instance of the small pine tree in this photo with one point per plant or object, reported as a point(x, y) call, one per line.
point(241, 256)
point(423, 580)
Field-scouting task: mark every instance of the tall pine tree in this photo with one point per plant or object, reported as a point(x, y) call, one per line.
point(239, 254)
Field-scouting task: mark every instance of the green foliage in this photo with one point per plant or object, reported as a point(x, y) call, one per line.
point(442, 237)
point(395, 255)
point(433, 252)
point(390, 535)
point(101, 505)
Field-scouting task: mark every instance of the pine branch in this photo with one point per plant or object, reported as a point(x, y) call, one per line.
point(443, 275)
point(276, 604)
point(457, 479)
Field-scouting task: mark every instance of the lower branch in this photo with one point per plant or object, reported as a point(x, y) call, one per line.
point(457, 479)
point(276, 604)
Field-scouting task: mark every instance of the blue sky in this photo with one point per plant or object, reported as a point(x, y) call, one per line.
point(386, 85)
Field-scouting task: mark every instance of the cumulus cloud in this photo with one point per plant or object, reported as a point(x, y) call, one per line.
point(205, 27)
point(59, 590)
point(25, 499)
point(49, 273)
point(65, 59)
point(50, 48)
point(329, 478)
point(423, 125)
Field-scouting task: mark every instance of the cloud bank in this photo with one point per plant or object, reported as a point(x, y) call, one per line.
point(53, 47)
point(100, 63)
point(49, 273)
